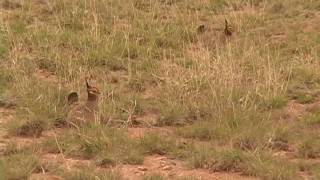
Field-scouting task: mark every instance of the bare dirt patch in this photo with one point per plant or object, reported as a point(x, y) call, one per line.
point(46, 76)
point(65, 162)
point(295, 110)
point(139, 132)
point(172, 169)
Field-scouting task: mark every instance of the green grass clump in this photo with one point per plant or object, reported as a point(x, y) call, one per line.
point(154, 177)
point(268, 167)
point(254, 164)
point(312, 120)
point(40, 105)
point(232, 129)
point(155, 144)
point(276, 102)
point(92, 174)
point(309, 148)
point(4, 49)
point(203, 131)
point(19, 165)
point(5, 79)
point(3, 174)
point(105, 145)
point(207, 157)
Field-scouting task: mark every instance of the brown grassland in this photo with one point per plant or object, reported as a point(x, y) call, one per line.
point(180, 98)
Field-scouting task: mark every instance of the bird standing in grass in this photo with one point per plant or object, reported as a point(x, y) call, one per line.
point(82, 113)
point(227, 28)
point(201, 29)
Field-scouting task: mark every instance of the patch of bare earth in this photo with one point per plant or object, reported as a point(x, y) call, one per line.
point(67, 163)
point(46, 76)
point(172, 169)
point(22, 141)
point(169, 167)
point(165, 166)
point(295, 110)
point(60, 161)
point(146, 124)
point(156, 164)
point(139, 132)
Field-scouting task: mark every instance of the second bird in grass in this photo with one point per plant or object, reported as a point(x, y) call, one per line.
point(227, 28)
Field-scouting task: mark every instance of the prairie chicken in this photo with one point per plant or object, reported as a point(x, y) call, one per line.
point(227, 29)
point(82, 113)
point(201, 29)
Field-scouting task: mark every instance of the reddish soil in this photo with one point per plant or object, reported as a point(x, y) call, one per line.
point(172, 169)
point(138, 132)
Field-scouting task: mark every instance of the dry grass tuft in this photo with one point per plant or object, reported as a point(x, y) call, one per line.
point(166, 63)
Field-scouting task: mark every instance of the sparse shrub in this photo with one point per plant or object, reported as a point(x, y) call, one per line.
point(231, 161)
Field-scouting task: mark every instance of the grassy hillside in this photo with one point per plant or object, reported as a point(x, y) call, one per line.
point(245, 104)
